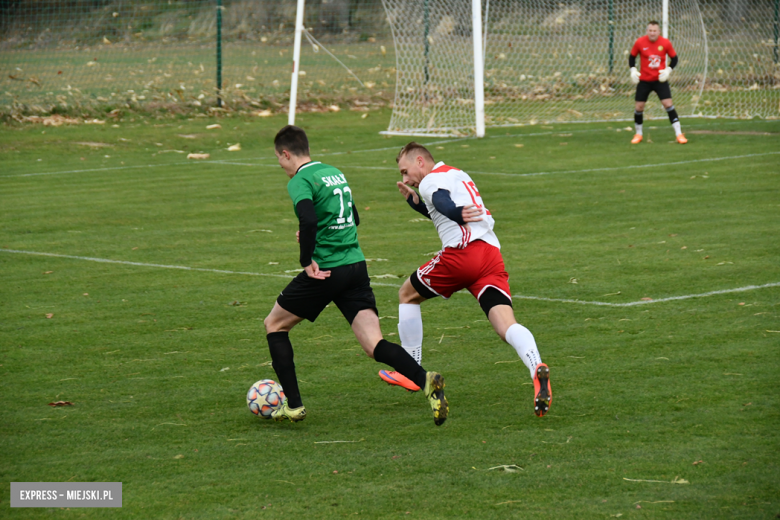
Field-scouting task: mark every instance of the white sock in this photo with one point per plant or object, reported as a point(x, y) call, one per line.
point(638, 128)
point(410, 329)
point(523, 342)
point(677, 128)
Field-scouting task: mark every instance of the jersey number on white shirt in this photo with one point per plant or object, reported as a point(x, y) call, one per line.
point(472, 189)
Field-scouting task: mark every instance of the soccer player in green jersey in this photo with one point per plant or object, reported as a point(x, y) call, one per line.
point(334, 270)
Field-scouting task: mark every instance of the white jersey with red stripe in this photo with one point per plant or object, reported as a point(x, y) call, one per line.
point(463, 192)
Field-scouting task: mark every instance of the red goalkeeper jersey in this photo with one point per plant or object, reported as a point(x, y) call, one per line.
point(652, 56)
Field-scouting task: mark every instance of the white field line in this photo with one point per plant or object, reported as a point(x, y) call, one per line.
point(224, 161)
point(520, 297)
point(390, 168)
point(630, 167)
point(90, 170)
point(160, 266)
point(659, 300)
point(588, 170)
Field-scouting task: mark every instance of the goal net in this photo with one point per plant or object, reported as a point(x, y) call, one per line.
point(544, 60)
point(743, 63)
point(567, 61)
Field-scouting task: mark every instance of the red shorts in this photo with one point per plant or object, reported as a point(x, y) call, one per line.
point(475, 268)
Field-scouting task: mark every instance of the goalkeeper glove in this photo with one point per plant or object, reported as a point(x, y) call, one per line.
point(634, 76)
point(664, 75)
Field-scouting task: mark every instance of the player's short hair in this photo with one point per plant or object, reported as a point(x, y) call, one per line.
point(653, 22)
point(414, 148)
point(292, 139)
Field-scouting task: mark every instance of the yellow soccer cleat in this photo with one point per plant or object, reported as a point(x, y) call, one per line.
point(284, 413)
point(434, 391)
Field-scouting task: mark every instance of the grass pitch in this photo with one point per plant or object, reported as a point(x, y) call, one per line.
point(665, 403)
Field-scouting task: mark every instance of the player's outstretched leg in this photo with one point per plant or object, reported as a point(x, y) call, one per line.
point(410, 331)
point(434, 391)
point(285, 413)
point(398, 379)
point(433, 382)
point(542, 390)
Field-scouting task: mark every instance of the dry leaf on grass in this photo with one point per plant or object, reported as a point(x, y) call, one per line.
point(49, 316)
point(214, 127)
point(235, 148)
point(198, 156)
point(61, 403)
point(265, 113)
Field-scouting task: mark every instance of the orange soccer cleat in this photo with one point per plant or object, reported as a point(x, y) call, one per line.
point(542, 390)
point(394, 378)
point(637, 139)
point(681, 139)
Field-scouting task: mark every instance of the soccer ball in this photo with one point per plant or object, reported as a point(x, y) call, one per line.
point(264, 397)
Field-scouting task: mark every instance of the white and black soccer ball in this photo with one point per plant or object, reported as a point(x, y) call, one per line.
point(264, 397)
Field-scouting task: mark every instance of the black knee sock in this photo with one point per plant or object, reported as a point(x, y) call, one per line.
point(638, 117)
point(395, 356)
point(282, 361)
point(672, 114)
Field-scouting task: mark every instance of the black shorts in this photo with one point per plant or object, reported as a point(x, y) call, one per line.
point(348, 286)
point(645, 87)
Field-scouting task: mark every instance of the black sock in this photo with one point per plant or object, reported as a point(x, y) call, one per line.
point(672, 114)
point(395, 356)
point(282, 360)
point(638, 117)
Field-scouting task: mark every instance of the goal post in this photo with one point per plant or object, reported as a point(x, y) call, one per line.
point(479, 68)
point(296, 61)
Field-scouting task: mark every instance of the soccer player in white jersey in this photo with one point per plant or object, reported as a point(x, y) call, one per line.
point(470, 259)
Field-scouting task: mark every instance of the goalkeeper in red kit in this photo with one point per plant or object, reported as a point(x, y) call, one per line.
point(653, 76)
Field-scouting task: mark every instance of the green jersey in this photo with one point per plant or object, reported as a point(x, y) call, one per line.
point(327, 188)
